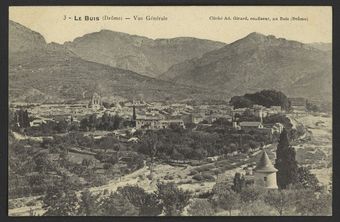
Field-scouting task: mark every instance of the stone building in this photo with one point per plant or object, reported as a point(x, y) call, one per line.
point(156, 122)
point(265, 173)
point(96, 102)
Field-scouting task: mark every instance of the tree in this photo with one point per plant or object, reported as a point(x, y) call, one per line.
point(226, 199)
point(251, 194)
point(116, 205)
point(150, 146)
point(280, 200)
point(108, 143)
point(265, 98)
point(105, 121)
point(147, 204)
point(310, 203)
point(173, 199)
point(285, 162)
point(117, 120)
point(176, 155)
point(198, 154)
point(60, 202)
point(86, 162)
point(84, 124)
point(61, 126)
point(307, 179)
point(312, 107)
point(201, 207)
point(134, 116)
point(240, 102)
point(92, 122)
point(239, 183)
point(42, 162)
point(23, 118)
point(26, 121)
point(88, 203)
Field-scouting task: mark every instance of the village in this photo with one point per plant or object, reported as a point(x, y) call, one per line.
point(114, 143)
point(158, 115)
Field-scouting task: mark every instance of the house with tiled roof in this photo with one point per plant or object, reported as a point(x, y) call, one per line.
point(251, 125)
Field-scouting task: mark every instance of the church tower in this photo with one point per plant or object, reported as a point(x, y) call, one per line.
point(265, 173)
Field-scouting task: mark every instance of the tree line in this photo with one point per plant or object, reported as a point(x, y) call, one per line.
point(169, 200)
point(265, 98)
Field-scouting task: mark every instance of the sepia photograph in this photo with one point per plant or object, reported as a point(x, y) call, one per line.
point(170, 111)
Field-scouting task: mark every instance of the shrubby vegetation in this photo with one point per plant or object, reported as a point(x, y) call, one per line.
point(35, 167)
point(304, 198)
point(293, 133)
point(168, 200)
point(106, 122)
point(197, 145)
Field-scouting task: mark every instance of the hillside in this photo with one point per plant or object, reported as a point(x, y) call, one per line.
point(139, 54)
point(23, 39)
point(259, 62)
point(321, 46)
point(40, 72)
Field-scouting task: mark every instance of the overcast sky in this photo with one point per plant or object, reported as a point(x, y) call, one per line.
point(182, 21)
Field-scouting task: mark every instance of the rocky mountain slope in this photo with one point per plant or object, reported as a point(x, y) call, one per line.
point(139, 54)
point(52, 72)
point(259, 62)
point(23, 39)
point(40, 72)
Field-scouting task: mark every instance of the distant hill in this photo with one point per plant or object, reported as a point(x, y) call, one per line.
point(258, 62)
point(40, 72)
point(139, 54)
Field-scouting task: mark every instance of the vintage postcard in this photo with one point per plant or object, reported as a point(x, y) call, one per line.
point(170, 111)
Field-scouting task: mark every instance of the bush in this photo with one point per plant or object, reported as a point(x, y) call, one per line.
point(198, 177)
point(257, 208)
point(11, 205)
point(107, 166)
point(204, 168)
point(193, 172)
point(217, 171)
point(141, 177)
point(201, 207)
point(208, 177)
point(31, 203)
point(167, 177)
point(99, 180)
point(173, 198)
point(207, 194)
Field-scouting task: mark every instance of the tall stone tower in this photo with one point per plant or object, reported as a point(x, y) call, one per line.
point(96, 102)
point(265, 173)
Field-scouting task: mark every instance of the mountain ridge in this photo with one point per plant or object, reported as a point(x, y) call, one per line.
point(50, 72)
point(140, 54)
point(249, 64)
point(258, 62)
